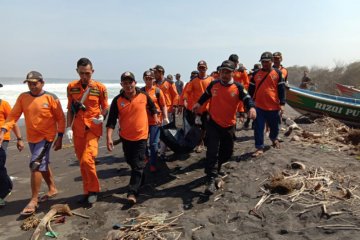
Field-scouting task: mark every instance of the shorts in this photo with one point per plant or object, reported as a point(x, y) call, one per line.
point(40, 156)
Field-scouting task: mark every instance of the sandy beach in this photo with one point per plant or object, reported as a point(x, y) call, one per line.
point(178, 188)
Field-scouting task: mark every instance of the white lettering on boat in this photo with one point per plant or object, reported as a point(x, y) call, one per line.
point(353, 112)
point(328, 107)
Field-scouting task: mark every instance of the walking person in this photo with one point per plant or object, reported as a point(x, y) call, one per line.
point(267, 88)
point(168, 87)
point(44, 119)
point(225, 95)
point(194, 90)
point(157, 96)
point(5, 181)
point(87, 108)
point(179, 84)
point(129, 107)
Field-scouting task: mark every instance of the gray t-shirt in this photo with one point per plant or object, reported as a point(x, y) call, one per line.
point(179, 86)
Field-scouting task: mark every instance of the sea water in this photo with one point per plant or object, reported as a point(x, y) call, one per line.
point(13, 87)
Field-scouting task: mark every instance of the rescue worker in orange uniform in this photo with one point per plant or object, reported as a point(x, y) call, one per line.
point(157, 96)
point(225, 95)
point(187, 110)
point(277, 64)
point(87, 109)
point(44, 118)
point(267, 89)
point(168, 87)
point(194, 91)
point(240, 76)
point(5, 181)
point(129, 107)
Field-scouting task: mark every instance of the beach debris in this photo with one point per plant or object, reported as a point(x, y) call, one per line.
point(330, 135)
point(157, 226)
point(45, 221)
point(309, 188)
point(30, 223)
point(298, 165)
point(198, 228)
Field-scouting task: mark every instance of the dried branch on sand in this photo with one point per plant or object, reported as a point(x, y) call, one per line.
point(147, 227)
point(314, 187)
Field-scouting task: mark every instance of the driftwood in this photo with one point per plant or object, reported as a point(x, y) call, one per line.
point(45, 221)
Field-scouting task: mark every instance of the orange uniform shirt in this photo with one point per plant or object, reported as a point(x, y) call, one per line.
point(196, 88)
point(132, 115)
point(95, 102)
point(224, 101)
point(266, 96)
point(159, 103)
point(44, 116)
point(4, 112)
point(284, 72)
point(243, 78)
point(170, 93)
point(189, 99)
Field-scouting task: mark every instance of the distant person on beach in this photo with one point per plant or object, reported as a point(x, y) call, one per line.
point(44, 119)
point(267, 89)
point(306, 81)
point(225, 95)
point(87, 108)
point(277, 64)
point(5, 181)
point(130, 108)
point(171, 97)
point(157, 96)
point(179, 84)
point(196, 88)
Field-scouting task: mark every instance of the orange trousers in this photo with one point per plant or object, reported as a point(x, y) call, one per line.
point(86, 149)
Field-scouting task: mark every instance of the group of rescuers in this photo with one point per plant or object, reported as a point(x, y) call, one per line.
point(212, 103)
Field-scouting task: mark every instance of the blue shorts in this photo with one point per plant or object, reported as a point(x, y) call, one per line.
point(40, 153)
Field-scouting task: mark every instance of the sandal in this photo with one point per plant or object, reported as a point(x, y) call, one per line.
point(258, 153)
point(46, 197)
point(30, 208)
point(276, 144)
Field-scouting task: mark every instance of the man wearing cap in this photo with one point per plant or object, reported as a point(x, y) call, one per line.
point(267, 88)
point(44, 119)
point(171, 98)
point(87, 108)
point(240, 76)
point(157, 96)
point(225, 95)
point(194, 91)
point(129, 107)
point(277, 64)
point(179, 84)
point(5, 181)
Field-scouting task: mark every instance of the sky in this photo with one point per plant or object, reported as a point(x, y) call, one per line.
point(119, 36)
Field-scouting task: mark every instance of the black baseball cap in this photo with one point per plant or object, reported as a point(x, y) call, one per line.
point(202, 63)
point(158, 68)
point(127, 75)
point(34, 76)
point(234, 58)
point(277, 54)
point(227, 64)
point(266, 56)
point(148, 73)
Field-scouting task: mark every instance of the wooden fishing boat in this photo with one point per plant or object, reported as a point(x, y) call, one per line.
point(348, 91)
point(344, 109)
